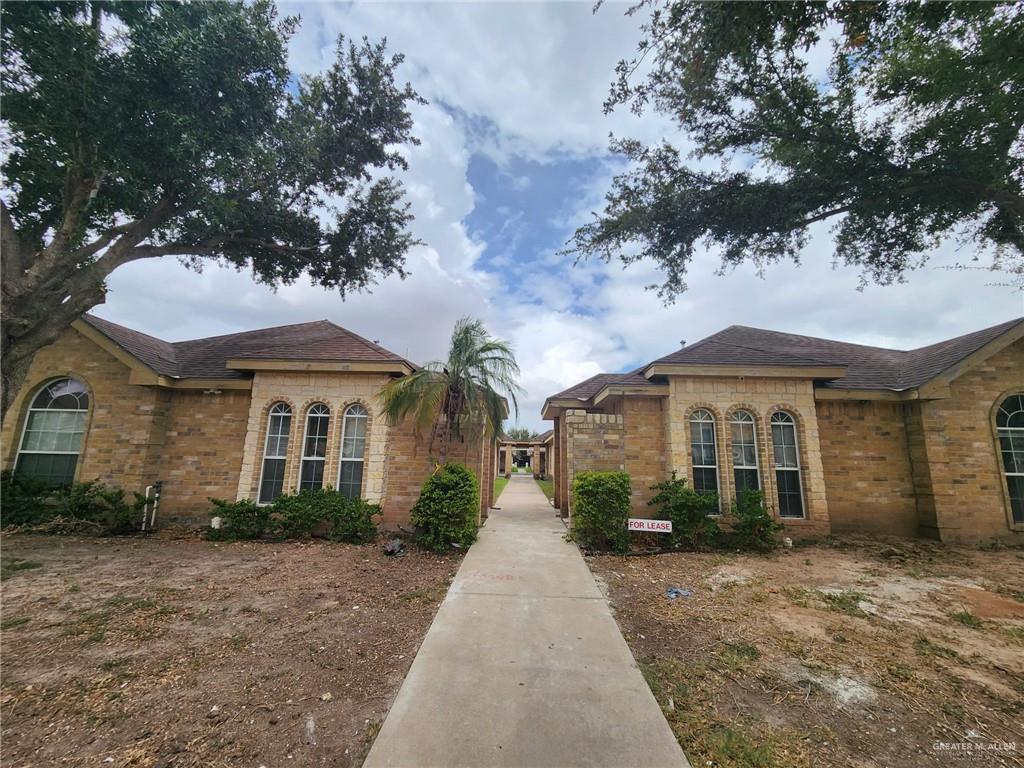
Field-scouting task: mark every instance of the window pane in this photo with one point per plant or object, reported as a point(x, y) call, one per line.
point(705, 480)
point(790, 503)
point(747, 480)
point(52, 469)
point(351, 481)
point(1016, 486)
point(273, 480)
point(312, 474)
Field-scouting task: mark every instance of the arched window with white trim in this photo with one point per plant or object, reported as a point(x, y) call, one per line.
point(1010, 428)
point(52, 439)
point(744, 452)
point(703, 451)
point(275, 452)
point(314, 447)
point(353, 451)
point(787, 465)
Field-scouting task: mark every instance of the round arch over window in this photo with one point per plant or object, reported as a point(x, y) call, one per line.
point(787, 465)
point(314, 447)
point(744, 452)
point(1010, 429)
point(275, 452)
point(703, 451)
point(52, 440)
point(353, 451)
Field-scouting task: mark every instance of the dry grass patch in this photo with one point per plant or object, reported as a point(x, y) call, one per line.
point(848, 653)
point(161, 652)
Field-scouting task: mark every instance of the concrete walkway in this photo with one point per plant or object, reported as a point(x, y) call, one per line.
point(524, 664)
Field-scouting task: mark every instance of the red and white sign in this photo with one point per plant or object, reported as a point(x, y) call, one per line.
point(650, 526)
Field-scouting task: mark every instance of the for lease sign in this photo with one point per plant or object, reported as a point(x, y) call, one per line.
point(650, 526)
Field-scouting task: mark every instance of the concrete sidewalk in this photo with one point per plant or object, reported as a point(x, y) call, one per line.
point(524, 664)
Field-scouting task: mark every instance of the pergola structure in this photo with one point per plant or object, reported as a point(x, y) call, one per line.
point(538, 452)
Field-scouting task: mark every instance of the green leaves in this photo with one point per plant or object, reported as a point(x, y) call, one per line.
point(600, 510)
point(446, 512)
point(462, 397)
point(913, 132)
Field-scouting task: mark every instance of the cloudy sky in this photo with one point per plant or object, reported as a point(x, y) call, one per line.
point(513, 157)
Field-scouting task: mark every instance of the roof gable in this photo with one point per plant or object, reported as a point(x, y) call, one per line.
point(321, 340)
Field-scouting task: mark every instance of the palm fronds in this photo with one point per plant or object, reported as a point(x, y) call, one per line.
point(458, 397)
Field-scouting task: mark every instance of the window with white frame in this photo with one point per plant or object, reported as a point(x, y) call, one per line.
point(1010, 428)
point(744, 452)
point(702, 451)
point(275, 452)
point(787, 465)
point(314, 447)
point(353, 451)
point(53, 432)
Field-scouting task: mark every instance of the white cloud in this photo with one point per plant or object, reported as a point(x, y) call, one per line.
point(535, 75)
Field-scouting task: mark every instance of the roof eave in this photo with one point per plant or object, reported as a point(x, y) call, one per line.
point(744, 371)
point(326, 366)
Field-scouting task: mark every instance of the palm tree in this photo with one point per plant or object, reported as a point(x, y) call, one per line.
point(460, 396)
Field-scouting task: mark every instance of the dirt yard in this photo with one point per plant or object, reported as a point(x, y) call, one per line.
point(843, 654)
point(161, 652)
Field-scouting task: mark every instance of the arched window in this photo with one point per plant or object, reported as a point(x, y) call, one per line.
point(787, 465)
point(1010, 427)
point(275, 452)
point(744, 452)
point(314, 447)
point(702, 450)
point(353, 449)
point(53, 432)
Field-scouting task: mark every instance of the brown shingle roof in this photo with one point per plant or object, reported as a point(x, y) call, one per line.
point(866, 367)
point(590, 387)
point(207, 358)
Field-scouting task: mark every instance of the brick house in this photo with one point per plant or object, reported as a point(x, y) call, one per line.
point(247, 416)
point(840, 437)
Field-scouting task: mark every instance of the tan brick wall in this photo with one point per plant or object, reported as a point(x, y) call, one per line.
point(761, 397)
point(868, 477)
point(201, 455)
point(644, 443)
point(411, 460)
point(301, 390)
point(595, 442)
point(120, 437)
point(968, 490)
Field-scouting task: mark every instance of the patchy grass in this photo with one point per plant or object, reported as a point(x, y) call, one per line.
point(499, 485)
point(967, 618)
point(821, 655)
point(14, 565)
point(548, 487)
point(132, 642)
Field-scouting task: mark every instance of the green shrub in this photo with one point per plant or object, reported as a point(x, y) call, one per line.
point(294, 515)
point(689, 511)
point(446, 512)
point(352, 520)
point(243, 519)
point(326, 511)
point(23, 499)
point(103, 510)
point(601, 510)
point(753, 527)
point(298, 515)
point(107, 507)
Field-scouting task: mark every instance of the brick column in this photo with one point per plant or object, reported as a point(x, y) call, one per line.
point(508, 459)
point(556, 463)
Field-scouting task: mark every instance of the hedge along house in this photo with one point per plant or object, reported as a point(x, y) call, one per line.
point(248, 416)
point(839, 437)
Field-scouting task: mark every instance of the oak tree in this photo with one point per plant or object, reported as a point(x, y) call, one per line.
point(136, 130)
point(900, 123)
